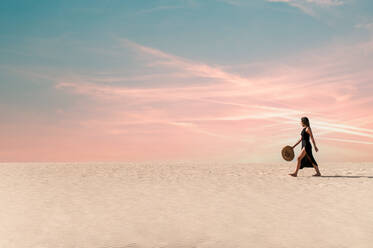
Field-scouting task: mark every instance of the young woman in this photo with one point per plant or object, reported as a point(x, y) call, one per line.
point(305, 158)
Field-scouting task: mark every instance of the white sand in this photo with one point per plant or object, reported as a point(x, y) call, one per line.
point(184, 205)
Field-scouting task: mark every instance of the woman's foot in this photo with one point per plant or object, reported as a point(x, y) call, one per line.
point(293, 174)
point(316, 175)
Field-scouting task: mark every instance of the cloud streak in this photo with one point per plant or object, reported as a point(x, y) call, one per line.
point(308, 6)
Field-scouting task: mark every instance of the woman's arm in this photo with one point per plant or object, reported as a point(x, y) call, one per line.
point(297, 143)
point(309, 131)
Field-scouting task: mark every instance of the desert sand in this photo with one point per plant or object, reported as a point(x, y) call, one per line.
point(117, 205)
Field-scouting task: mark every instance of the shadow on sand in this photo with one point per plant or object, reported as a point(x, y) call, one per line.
point(349, 176)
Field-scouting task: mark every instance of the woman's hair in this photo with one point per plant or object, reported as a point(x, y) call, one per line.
point(305, 121)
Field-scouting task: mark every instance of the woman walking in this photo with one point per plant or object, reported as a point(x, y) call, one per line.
point(305, 158)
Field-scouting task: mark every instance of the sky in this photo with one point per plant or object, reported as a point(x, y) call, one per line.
point(184, 80)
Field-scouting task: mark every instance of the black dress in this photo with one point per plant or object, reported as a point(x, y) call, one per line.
point(308, 159)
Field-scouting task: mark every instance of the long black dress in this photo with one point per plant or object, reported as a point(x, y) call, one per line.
point(308, 159)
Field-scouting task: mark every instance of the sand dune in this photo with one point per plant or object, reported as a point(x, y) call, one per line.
point(111, 205)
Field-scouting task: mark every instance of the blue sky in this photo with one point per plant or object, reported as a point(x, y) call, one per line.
point(45, 44)
point(214, 31)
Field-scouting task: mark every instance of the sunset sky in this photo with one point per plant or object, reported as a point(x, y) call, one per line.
point(165, 80)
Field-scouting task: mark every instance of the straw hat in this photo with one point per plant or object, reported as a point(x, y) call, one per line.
point(288, 153)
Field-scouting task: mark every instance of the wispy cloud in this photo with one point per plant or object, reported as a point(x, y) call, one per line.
point(232, 2)
point(195, 68)
point(308, 6)
point(316, 2)
point(365, 25)
point(159, 8)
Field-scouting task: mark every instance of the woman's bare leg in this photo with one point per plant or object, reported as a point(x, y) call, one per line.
point(317, 170)
point(299, 159)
